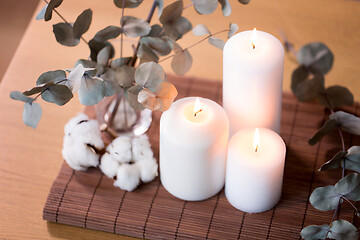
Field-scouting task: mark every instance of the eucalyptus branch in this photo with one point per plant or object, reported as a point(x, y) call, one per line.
point(82, 38)
point(122, 27)
point(187, 6)
point(355, 208)
point(194, 44)
point(57, 83)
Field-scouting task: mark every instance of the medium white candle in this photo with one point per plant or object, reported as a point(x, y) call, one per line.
point(254, 172)
point(193, 146)
point(253, 64)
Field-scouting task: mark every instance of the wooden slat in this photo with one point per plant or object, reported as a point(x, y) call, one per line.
point(88, 199)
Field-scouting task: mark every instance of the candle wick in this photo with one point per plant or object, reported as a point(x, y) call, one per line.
point(253, 45)
point(257, 147)
point(197, 112)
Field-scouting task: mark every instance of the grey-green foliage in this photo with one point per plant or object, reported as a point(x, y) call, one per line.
point(339, 230)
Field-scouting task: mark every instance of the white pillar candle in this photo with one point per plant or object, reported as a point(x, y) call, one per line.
point(254, 172)
point(253, 65)
point(193, 147)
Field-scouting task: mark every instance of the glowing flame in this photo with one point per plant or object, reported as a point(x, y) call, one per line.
point(256, 140)
point(197, 107)
point(254, 38)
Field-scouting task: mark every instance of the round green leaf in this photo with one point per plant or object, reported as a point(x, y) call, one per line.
point(349, 186)
point(103, 56)
point(205, 6)
point(232, 29)
point(118, 62)
point(337, 96)
point(124, 76)
point(315, 232)
point(325, 198)
point(160, 46)
point(176, 29)
point(127, 3)
point(200, 30)
point(343, 230)
point(132, 96)
point(16, 95)
point(225, 7)
point(353, 159)
point(111, 85)
point(328, 126)
point(160, 99)
point(74, 78)
point(82, 23)
point(135, 27)
point(58, 94)
point(317, 56)
point(156, 31)
point(38, 89)
point(32, 114)
point(64, 35)
point(149, 75)
point(219, 43)
point(182, 60)
point(146, 54)
point(91, 91)
point(51, 76)
point(52, 4)
point(96, 46)
point(107, 33)
point(348, 122)
point(171, 12)
point(244, 1)
point(335, 162)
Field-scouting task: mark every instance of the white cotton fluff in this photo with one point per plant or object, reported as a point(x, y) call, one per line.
point(79, 132)
point(109, 166)
point(120, 149)
point(141, 148)
point(128, 177)
point(148, 168)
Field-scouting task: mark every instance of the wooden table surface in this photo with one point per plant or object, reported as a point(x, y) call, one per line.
point(30, 159)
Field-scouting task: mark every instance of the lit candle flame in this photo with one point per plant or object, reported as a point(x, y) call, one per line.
point(197, 107)
point(256, 140)
point(253, 38)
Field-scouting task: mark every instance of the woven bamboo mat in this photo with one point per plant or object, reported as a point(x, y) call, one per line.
point(89, 200)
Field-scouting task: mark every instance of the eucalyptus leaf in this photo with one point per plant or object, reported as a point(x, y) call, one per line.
point(124, 76)
point(135, 27)
point(16, 95)
point(89, 66)
point(132, 96)
point(160, 6)
point(337, 96)
point(205, 6)
point(58, 94)
point(41, 13)
point(51, 76)
point(343, 230)
point(335, 162)
point(160, 46)
point(244, 1)
point(232, 29)
point(107, 33)
point(176, 29)
point(38, 89)
point(156, 31)
point(52, 5)
point(200, 30)
point(171, 12)
point(118, 62)
point(64, 34)
point(75, 77)
point(160, 99)
point(315, 232)
point(328, 126)
point(353, 159)
point(219, 43)
point(32, 114)
point(146, 54)
point(317, 56)
point(325, 198)
point(96, 46)
point(111, 85)
point(182, 60)
point(149, 75)
point(225, 7)
point(349, 186)
point(91, 91)
point(348, 122)
point(103, 56)
point(82, 23)
point(127, 3)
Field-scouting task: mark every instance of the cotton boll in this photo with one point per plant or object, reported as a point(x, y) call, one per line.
point(74, 121)
point(120, 149)
point(141, 148)
point(148, 169)
point(127, 177)
point(109, 166)
point(79, 156)
point(88, 132)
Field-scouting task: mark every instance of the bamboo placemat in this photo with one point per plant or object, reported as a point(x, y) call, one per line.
point(88, 199)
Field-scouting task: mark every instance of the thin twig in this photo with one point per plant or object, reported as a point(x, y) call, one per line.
point(355, 208)
point(47, 88)
point(187, 6)
point(122, 27)
point(194, 44)
point(82, 38)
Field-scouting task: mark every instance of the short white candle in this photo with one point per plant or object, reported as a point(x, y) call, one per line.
point(254, 172)
point(253, 65)
point(193, 147)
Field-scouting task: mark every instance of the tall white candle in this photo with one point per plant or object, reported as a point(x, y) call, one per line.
point(193, 146)
point(254, 172)
point(253, 64)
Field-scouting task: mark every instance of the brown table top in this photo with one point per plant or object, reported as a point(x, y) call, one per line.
point(31, 159)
